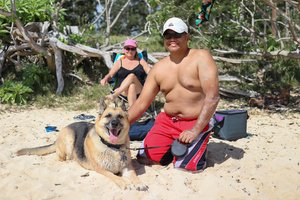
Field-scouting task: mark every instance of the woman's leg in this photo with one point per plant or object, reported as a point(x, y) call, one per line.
point(130, 86)
point(131, 94)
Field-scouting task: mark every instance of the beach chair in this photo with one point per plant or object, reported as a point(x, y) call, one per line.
point(117, 56)
point(139, 129)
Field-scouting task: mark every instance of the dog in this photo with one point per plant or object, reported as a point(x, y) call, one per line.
point(102, 146)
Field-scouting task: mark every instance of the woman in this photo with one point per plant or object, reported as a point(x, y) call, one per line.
point(130, 72)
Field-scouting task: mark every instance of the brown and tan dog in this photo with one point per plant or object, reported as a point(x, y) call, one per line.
point(102, 147)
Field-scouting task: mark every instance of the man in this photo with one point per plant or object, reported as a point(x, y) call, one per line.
point(188, 78)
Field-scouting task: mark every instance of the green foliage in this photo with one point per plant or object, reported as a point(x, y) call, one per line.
point(3, 26)
point(14, 93)
point(80, 12)
point(269, 76)
point(75, 38)
point(31, 10)
point(133, 18)
point(165, 9)
point(282, 73)
point(38, 78)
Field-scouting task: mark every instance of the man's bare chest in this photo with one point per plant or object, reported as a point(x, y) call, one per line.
point(180, 78)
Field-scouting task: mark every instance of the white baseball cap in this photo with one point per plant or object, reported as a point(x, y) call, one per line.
point(175, 24)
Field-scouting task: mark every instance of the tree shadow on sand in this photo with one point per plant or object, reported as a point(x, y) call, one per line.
point(219, 152)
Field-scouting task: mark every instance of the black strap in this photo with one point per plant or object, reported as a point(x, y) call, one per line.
point(167, 158)
point(217, 126)
point(151, 147)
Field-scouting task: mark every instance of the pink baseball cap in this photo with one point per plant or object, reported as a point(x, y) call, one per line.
point(130, 42)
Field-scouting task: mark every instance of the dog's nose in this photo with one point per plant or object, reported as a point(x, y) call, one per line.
point(114, 123)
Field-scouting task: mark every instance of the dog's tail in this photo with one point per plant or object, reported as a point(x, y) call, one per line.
point(43, 150)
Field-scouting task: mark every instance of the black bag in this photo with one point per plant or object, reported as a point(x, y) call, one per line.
point(230, 124)
point(139, 130)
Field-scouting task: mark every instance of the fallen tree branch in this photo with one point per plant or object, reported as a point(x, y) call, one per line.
point(58, 64)
point(79, 78)
point(235, 93)
point(232, 60)
point(284, 53)
point(229, 78)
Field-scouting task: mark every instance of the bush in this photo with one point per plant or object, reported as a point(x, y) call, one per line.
point(38, 78)
point(14, 93)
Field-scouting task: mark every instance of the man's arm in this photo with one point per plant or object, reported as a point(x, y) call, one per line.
point(208, 76)
point(147, 95)
point(145, 65)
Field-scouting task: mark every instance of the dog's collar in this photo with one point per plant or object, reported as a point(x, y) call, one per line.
point(116, 146)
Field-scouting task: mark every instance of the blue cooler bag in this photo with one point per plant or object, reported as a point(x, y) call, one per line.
point(230, 124)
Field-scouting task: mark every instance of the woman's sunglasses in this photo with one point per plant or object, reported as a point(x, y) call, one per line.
point(129, 49)
point(173, 35)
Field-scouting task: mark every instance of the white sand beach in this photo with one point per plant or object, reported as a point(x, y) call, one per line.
point(264, 165)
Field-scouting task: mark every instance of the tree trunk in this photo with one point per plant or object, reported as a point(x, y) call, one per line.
point(58, 64)
point(273, 22)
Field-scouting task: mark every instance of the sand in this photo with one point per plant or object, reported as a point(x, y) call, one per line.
point(264, 165)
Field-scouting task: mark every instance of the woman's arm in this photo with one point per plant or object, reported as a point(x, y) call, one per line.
point(111, 73)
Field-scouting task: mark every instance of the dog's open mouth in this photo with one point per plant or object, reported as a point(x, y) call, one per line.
point(113, 134)
point(114, 131)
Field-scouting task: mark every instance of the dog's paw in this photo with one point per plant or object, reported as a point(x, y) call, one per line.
point(141, 187)
point(138, 187)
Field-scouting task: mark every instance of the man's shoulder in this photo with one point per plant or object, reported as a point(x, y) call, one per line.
point(201, 52)
point(162, 62)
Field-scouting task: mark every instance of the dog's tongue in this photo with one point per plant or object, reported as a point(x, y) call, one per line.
point(112, 135)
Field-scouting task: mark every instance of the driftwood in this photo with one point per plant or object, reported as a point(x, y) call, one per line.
point(235, 93)
point(283, 53)
point(58, 63)
point(31, 44)
point(216, 58)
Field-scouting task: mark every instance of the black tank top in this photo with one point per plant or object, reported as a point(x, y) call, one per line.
point(122, 73)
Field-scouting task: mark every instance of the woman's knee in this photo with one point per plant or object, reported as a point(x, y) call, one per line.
point(131, 90)
point(132, 77)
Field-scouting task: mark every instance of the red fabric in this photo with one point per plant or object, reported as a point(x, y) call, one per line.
point(165, 130)
point(193, 163)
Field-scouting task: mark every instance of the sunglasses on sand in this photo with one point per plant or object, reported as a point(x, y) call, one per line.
point(173, 35)
point(130, 49)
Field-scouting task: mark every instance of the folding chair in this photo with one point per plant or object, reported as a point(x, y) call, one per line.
point(151, 112)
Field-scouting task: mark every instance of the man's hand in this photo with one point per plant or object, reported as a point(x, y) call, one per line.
point(187, 136)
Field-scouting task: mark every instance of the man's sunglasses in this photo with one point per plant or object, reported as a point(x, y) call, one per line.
point(129, 49)
point(173, 35)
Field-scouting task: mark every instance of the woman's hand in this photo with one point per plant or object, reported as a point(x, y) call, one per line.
point(103, 81)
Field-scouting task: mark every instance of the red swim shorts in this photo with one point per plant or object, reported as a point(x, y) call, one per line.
point(165, 130)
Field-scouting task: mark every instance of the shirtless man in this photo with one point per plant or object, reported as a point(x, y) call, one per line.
point(189, 80)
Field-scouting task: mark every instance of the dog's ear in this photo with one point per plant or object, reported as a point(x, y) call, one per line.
point(121, 103)
point(102, 105)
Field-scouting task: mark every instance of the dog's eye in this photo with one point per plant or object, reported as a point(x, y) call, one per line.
point(120, 116)
point(109, 115)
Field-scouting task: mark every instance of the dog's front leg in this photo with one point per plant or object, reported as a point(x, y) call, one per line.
point(117, 179)
point(135, 183)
